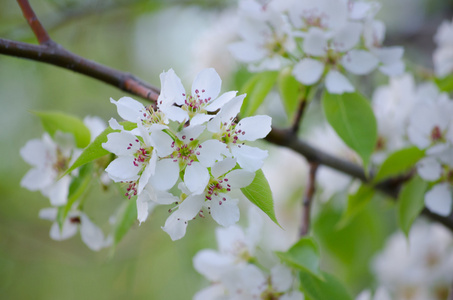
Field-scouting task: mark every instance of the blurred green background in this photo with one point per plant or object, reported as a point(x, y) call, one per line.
point(144, 38)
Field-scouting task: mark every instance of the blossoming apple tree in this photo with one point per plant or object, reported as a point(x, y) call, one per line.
point(194, 150)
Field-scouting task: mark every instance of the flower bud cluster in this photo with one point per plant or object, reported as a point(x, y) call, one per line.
point(188, 152)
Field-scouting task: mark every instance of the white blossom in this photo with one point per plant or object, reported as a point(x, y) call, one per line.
point(443, 55)
point(76, 220)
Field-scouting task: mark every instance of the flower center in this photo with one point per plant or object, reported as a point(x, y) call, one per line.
point(216, 186)
point(436, 134)
point(61, 163)
point(195, 104)
point(230, 134)
point(185, 152)
point(150, 116)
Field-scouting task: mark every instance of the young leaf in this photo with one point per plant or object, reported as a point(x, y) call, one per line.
point(411, 201)
point(399, 162)
point(351, 116)
point(445, 84)
point(95, 150)
point(126, 218)
point(304, 256)
point(327, 288)
point(257, 89)
point(356, 203)
point(291, 91)
point(58, 121)
point(260, 194)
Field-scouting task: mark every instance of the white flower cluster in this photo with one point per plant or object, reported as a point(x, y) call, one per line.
point(408, 114)
point(443, 55)
point(50, 158)
point(319, 39)
point(232, 273)
point(431, 128)
point(417, 268)
point(191, 139)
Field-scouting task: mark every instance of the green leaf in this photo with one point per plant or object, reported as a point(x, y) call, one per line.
point(304, 256)
point(327, 288)
point(291, 91)
point(399, 162)
point(411, 201)
point(78, 186)
point(257, 88)
point(260, 194)
point(127, 216)
point(95, 150)
point(351, 116)
point(356, 203)
point(58, 121)
point(445, 84)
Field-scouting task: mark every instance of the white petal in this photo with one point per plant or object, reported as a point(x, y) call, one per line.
point(191, 132)
point(221, 101)
point(196, 177)
point(281, 278)
point(389, 55)
point(211, 151)
point(207, 83)
point(315, 42)
point(222, 167)
point(175, 113)
point(113, 123)
point(175, 227)
point(36, 179)
point(95, 124)
point(438, 199)
point(49, 214)
point(212, 292)
point(58, 192)
point(239, 178)
point(359, 62)
point(121, 143)
point(247, 52)
point(225, 213)
point(172, 90)
point(249, 158)
point(162, 143)
point(308, 71)
point(364, 295)
point(347, 37)
point(165, 175)
point(91, 235)
point(253, 128)
point(382, 294)
point(394, 69)
point(226, 114)
point(200, 119)
point(231, 240)
point(212, 264)
point(149, 170)
point(429, 169)
point(142, 208)
point(129, 109)
point(123, 169)
point(35, 153)
point(336, 83)
point(69, 230)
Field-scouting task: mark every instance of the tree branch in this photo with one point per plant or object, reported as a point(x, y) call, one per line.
point(308, 197)
point(52, 53)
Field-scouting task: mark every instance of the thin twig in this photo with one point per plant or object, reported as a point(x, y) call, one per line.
point(300, 110)
point(308, 197)
point(52, 53)
point(35, 25)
